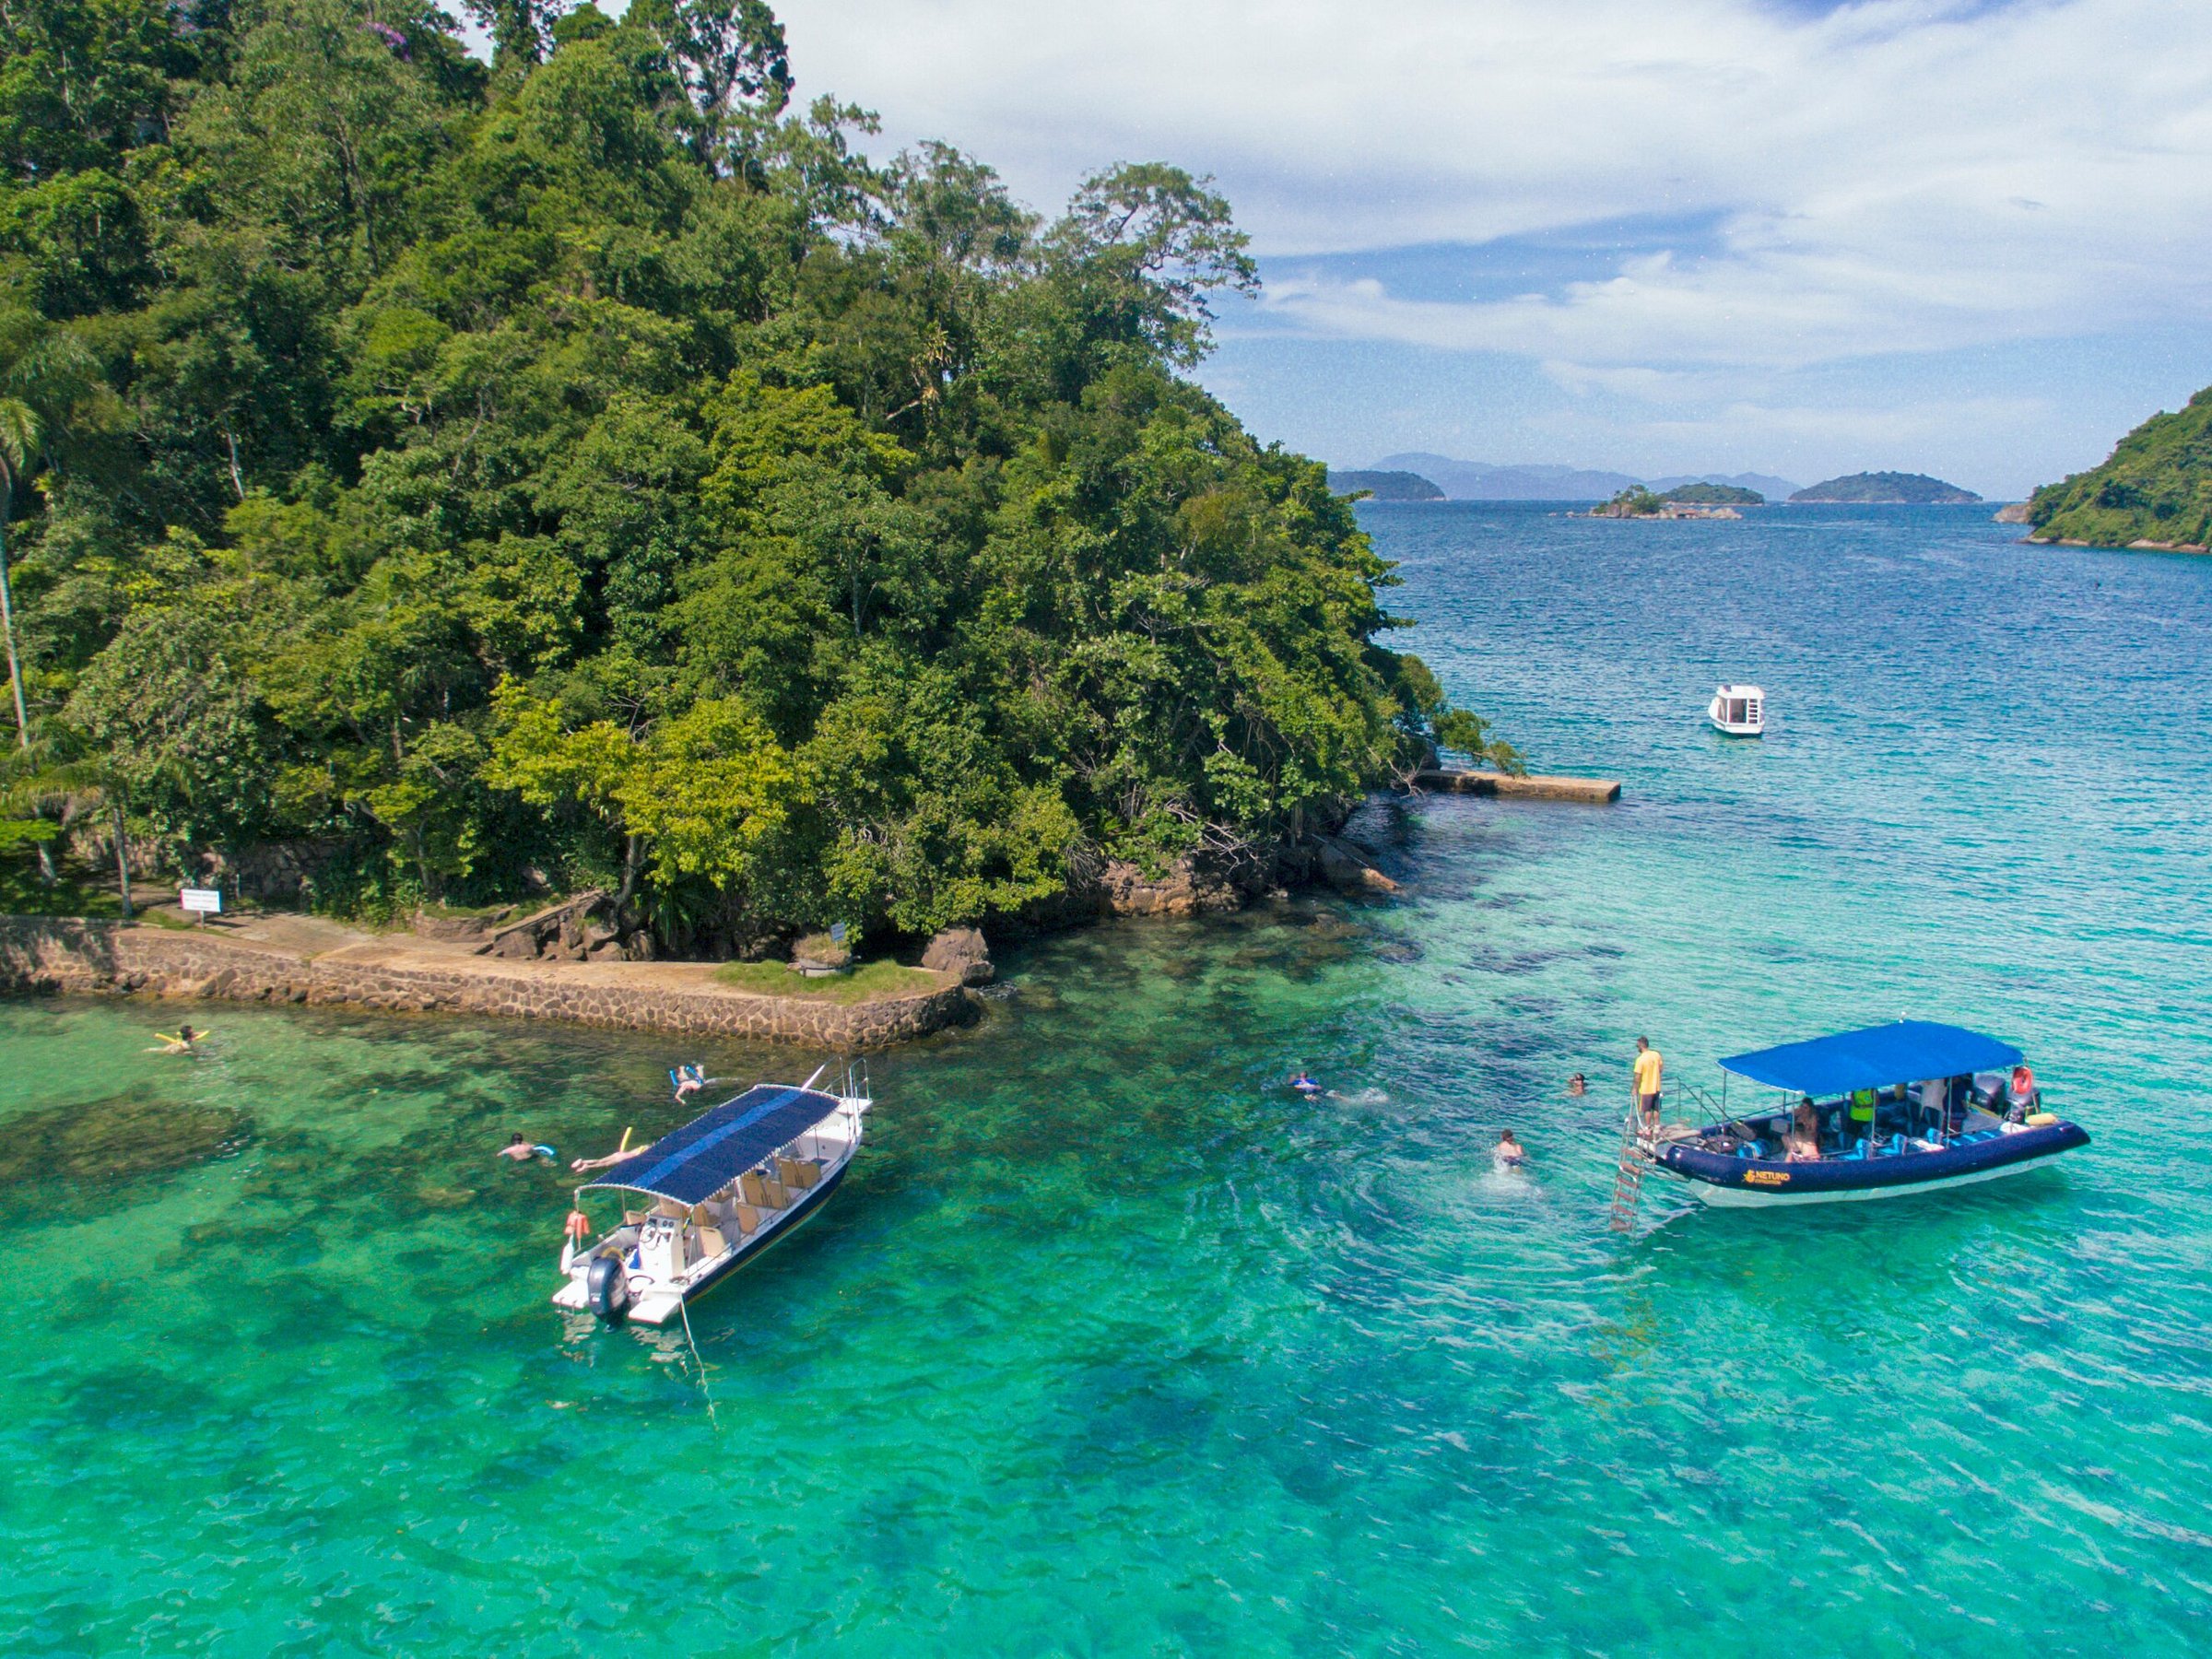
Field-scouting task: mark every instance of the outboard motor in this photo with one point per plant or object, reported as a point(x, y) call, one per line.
point(607, 1288)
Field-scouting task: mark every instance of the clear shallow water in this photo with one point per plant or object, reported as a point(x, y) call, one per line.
point(1110, 1346)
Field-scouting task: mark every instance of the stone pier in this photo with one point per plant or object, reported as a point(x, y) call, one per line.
point(1596, 792)
point(39, 954)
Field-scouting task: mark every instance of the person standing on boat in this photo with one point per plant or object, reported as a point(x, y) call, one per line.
point(1650, 1081)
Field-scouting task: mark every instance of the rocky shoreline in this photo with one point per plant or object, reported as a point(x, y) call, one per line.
point(572, 962)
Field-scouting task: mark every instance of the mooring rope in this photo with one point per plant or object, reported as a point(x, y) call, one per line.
point(684, 1308)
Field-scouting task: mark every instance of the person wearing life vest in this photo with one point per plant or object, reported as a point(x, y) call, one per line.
point(1861, 1110)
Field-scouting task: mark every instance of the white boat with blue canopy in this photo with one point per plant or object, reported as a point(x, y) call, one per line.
point(703, 1199)
point(1881, 1112)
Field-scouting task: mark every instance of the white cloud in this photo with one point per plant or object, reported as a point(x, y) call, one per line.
point(1892, 177)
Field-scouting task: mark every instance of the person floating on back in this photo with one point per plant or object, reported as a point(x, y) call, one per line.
point(1650, 1069)
point(583, 1165)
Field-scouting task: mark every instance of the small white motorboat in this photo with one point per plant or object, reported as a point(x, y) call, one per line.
point(717, 1191)
point(1738, 711)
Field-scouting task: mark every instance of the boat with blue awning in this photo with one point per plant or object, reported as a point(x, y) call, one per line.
point(1884, 1111)
point(704, 1199)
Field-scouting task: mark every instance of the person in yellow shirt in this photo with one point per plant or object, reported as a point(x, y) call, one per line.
point(1649, 1067)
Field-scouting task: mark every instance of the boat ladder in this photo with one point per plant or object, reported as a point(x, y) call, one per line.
point(1627, 1178)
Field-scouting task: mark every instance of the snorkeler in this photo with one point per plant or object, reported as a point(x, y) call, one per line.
point(689, 1079)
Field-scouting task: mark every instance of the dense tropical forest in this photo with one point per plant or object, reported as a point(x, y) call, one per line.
point(2155, 487)
point(586, 466)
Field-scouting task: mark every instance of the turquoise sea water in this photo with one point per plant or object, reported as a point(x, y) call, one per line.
point(1110, 1346)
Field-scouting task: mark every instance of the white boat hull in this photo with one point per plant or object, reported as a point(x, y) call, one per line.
point(1738, 711)
point(1723, 1198)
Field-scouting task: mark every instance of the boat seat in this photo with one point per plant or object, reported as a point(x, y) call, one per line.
point(761, 1193)
point(710, 1240)
point(798, 1173)
point(745, 1218)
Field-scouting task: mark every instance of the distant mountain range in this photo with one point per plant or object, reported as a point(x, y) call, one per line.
point(1479, 481)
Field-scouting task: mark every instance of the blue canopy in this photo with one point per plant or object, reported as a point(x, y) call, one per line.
point(711, 1150)
point(1874, 1058)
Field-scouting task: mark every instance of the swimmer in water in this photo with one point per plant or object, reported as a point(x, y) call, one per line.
point(1509, 1153)
point(178, 1044)
point(689, 1079)
point(583, 1164)
point(1578, 1085)
point(522, 1149)
point(1304, 1084)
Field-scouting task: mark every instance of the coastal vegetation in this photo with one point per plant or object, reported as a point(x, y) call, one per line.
point(2154, 491)
point(1713, 495)
point(1385, 486)
point(1888, 489)
point(454, 479)
point(1635, 501)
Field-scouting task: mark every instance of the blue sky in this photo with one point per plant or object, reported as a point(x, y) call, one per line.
point(1966, 237)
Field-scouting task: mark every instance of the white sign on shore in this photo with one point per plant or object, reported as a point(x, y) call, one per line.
point(209, 901)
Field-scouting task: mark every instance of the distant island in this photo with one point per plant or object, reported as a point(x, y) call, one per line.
point(1481, 481)
point(1385, 486)
point(2154, 492)
point(1888, 489)
point(1709, 501)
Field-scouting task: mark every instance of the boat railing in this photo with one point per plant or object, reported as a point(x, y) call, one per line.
point(1715, 1111)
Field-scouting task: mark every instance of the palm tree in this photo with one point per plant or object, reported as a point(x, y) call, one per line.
point(19, 440)
point(38, 780)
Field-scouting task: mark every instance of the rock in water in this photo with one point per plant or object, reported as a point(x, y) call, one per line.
point(961, 950)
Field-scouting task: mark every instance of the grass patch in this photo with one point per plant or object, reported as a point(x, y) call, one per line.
point(872, 981)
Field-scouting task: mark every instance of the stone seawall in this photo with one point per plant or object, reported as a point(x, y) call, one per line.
point(67, 956)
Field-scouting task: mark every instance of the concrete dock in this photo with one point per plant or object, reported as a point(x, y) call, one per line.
point(1594, 791)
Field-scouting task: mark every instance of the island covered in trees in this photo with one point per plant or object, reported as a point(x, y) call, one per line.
point(1385, 486)
point(1888, 489)
point(2154, 491)
point(589, 468)
point(1684, 501)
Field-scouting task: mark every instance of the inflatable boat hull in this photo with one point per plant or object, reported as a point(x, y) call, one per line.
point(1757, 1182)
